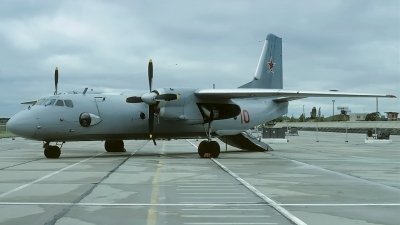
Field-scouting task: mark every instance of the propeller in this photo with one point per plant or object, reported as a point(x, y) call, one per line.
point(151, 107)
point(152, 98)
point(56, 80)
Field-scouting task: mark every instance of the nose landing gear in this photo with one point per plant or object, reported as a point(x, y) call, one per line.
point(52, 151)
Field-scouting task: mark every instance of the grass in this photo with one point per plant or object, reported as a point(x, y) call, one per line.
point(4, 133)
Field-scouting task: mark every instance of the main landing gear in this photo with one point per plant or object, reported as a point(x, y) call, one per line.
point(114, 146)
point(209, 148)
point(52, 151)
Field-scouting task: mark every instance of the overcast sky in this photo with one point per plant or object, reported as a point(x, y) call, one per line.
point(351, 46)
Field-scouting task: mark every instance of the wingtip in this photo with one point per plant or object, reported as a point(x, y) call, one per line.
point(391, 96)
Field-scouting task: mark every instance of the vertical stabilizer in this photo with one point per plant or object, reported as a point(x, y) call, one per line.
point(269, 69)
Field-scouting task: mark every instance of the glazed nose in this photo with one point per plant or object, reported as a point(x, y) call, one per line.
point(22, 124)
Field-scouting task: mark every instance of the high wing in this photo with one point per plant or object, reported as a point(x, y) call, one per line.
point(280, 94)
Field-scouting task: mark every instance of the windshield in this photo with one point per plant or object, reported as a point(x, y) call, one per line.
point(40, 101)
point(49, 102)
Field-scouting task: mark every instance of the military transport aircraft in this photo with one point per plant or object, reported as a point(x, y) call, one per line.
point(165, 113)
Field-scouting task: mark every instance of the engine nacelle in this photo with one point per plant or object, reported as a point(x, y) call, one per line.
point(218, 111)
point(88, 119)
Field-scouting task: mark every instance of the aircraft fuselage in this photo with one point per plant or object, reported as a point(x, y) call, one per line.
point(115, 119)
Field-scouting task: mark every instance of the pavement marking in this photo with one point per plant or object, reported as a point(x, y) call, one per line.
point(220, 202)
point(333, 171)
point(192, 183)
point(272, 203)
point(206, 186)
point(233, 204)
point(206, 193)
point(47, 176)
point(224, 216)
point(201, 197)
point(152, 212)
point(207, 189)
point(66, 209)
point(226, 223)
point(213, 209)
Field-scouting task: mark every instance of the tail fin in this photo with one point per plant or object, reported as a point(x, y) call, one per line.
point(269, 68)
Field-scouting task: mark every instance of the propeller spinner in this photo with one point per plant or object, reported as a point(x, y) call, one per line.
point(152, 98)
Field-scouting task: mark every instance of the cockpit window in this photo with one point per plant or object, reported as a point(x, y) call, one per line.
point(59, 103)
point(40, 101)
point(69, 103)
point(49, 102)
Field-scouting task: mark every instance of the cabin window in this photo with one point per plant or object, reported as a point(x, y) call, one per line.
point(69, 103)
point(59, 103)
point(49, 102)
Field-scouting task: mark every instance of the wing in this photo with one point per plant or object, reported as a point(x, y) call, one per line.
point(280, 94)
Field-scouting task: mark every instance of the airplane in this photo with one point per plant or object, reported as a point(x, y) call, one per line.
point(166, 113)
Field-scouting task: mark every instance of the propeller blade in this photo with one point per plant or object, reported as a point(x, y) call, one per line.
point(56, 80)
point(150, 73)
point(133, 99)
point(166, 97)
point(151, 123)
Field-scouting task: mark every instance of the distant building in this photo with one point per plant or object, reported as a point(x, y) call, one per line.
point(392, 116)
point(357, 116)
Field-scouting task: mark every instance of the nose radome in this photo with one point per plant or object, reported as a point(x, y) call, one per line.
point(22, 124)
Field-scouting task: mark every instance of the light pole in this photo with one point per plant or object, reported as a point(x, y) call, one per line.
point(333, 110)
point(304, 116)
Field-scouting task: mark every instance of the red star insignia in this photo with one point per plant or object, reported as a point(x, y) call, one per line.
point(271, 65)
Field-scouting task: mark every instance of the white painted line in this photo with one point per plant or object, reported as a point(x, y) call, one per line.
point(277, 207)
point(201, 197)
point(214, 209)
point(205, 183)
point(208, 189)
point(280, 209)
point(335, 172)
point(223, 216)
point(188, 204)
point(47, 176)
point(193, 204)
point(206, 193)
point(224, 203)
point(205, 186)
point(226, 223)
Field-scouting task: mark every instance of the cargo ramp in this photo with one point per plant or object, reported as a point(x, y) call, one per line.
point(245, 141)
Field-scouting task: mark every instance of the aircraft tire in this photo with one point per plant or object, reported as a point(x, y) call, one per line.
point(52, 152)
point(114, 146)
point(215, 149)
point(202, 148)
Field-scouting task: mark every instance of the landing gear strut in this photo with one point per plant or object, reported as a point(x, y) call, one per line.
point(209, 148)
point(114, 146)
point(52, 151)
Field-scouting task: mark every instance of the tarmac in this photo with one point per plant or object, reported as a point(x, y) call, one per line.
point(300, 182)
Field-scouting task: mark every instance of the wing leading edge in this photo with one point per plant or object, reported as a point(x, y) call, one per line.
point(280, 94)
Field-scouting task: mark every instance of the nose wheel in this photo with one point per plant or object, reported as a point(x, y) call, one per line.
point(209, 149)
